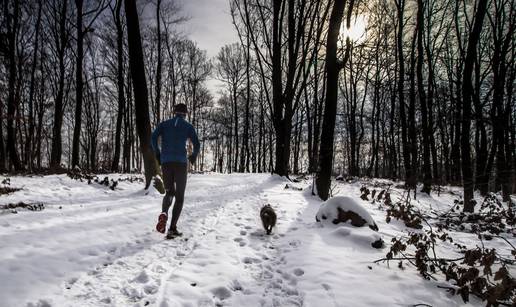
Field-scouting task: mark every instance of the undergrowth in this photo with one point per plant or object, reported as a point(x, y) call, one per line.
point(479, 271)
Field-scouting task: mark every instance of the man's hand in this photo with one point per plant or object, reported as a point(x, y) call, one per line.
point(158, 157)
point(192, 159)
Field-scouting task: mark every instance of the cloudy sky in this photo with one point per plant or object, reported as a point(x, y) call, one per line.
point(210, 26)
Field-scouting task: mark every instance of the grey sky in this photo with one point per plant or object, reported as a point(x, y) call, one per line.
point(210, 26)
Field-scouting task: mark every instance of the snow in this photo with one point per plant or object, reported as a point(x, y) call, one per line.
point(329, 210)
point(359, 236)
point(92, 246)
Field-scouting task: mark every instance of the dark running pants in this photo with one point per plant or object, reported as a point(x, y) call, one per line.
point(174, 179)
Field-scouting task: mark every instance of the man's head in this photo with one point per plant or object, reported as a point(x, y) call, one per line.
point(180, 109)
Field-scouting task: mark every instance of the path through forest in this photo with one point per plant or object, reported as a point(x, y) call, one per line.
point(92, 246)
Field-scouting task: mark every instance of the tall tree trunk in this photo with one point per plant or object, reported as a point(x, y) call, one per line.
point(409, 175)
point(456, 149)
point(483, 169)
point(323, 180)
point(62, 42)
point(120, 85)
point(79, 85)
point(3, 164)
point(411, 120)
point(159, 63)
point(247, 102)
point(40, 111)
point(282, 97)
point(12, 101)
point(501, 113)
point(32, 88)
point(141, 99)
point(277, 88)
point(427, 170)
point(467, 93)
point(128, 128)
point(236, 129)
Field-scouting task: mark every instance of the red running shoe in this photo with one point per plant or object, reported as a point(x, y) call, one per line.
point(162, 222)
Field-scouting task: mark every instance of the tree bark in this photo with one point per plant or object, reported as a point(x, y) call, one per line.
point(427, 170)
point(467, 93)
point(61, 44)
point(409, 175)
point(323, 180)
point(32, 88)
point(79, 85)
point(159, 63)
point(12, 101)
point(120, 85)
point(141, 100)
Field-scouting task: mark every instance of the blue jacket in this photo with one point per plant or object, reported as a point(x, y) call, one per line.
point(174, 134)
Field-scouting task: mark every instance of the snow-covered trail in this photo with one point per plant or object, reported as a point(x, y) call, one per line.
point(88, 227)
point(97, 247)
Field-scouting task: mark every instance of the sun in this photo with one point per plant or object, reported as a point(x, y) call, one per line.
point(357, 30)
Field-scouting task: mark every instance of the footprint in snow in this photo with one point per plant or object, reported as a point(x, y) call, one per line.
point(291, 291)
point(150, 289)
point(267, 275)
point(142, 278)
point(132, 293)
point(299, 272)
point(294, 243)
point(221, 293)
point(40, 303)
point(94, 272)
point(251, 260)
point(106, 300)
point(326, 287)
point(70, 282)
point(236, 286)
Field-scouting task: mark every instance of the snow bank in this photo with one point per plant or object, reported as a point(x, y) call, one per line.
point(362, 237)
point(341, 209)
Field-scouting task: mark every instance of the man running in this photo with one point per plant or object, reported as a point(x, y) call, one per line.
point(173, 159)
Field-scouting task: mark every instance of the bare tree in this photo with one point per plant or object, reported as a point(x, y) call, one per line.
point(333, 66)
point(141, 100)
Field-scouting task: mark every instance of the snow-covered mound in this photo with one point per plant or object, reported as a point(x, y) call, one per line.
point(363, 237)
point(341, 209)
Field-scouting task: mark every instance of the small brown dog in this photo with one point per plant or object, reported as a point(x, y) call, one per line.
point(268, 217)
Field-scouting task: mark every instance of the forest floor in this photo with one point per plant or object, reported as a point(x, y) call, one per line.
point(88, 245)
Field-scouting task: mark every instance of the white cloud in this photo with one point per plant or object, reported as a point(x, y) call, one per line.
point(210, 25)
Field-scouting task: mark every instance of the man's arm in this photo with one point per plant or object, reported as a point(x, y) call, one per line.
point(195, 141)
point(154, 139)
